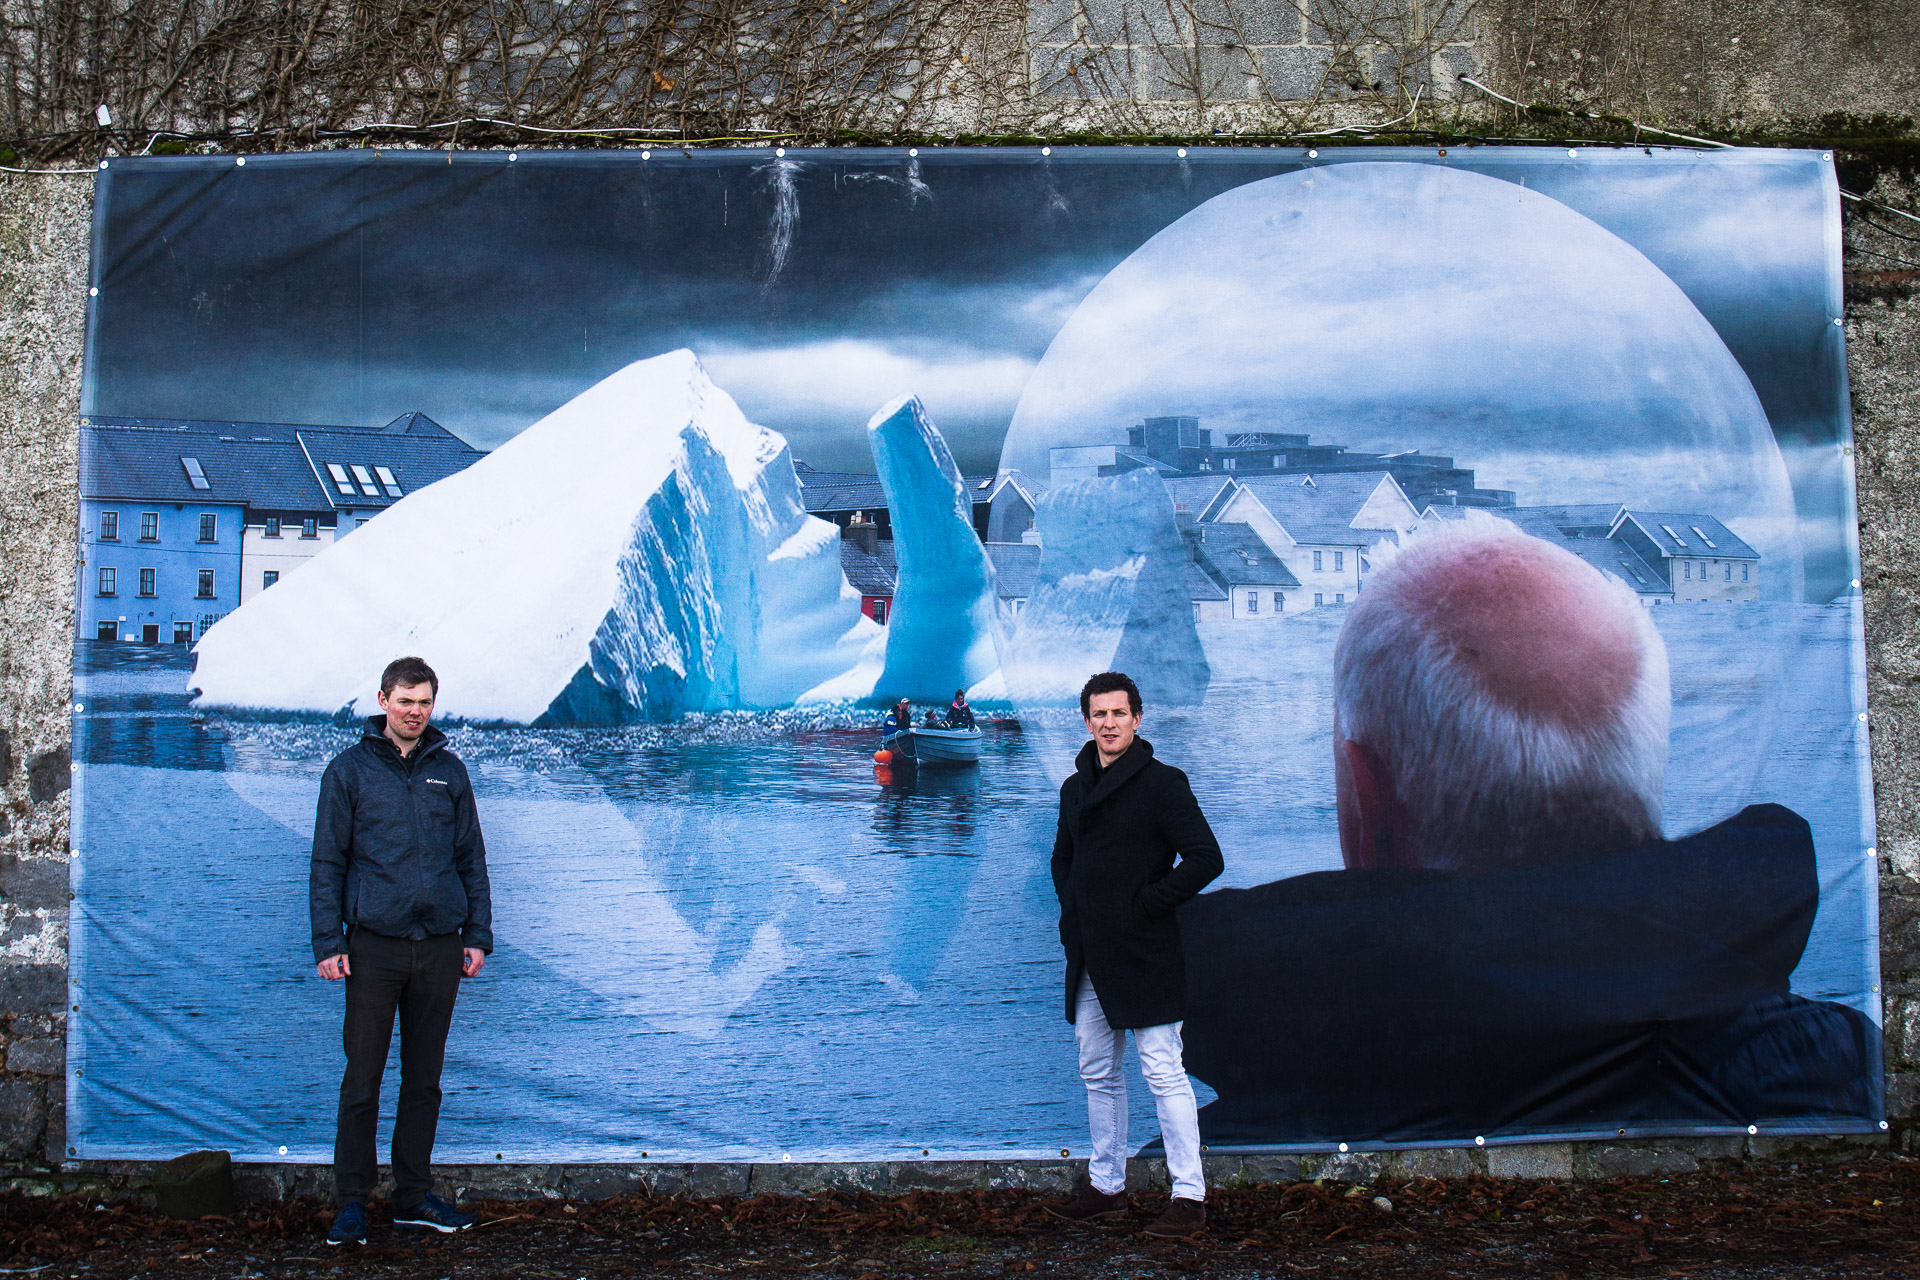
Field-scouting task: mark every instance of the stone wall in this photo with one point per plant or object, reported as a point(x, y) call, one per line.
point(1793, 59)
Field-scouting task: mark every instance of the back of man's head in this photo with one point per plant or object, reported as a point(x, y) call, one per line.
point(1515, 698)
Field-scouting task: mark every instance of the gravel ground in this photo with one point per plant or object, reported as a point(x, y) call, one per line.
point(1857, 1218)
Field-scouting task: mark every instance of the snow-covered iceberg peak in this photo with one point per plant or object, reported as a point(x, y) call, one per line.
point(1111, 595)
point(940, 633)
point(639, 552)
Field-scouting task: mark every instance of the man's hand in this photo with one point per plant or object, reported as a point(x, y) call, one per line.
point(334, 968)
point(472, 960)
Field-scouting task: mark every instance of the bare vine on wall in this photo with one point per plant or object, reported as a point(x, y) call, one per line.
point(297, 73)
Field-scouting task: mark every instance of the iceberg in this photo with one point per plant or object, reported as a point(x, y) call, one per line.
point(640, 552)
point(1111, 595)
point(940, 632)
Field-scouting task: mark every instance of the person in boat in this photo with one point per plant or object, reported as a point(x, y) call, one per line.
point(932, 719)
point(1131, 847)
point(898, 720)
point(960, 715)
point(1512, 946)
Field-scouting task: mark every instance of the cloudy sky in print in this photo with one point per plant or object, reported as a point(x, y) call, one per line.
point(350, 287)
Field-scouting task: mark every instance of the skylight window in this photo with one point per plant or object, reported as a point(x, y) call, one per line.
point(341, 480)
point(1678, 541)
point(365, 478)
point(984, 483)
point(195, 476)
point(387, 482)
point(1702, 535)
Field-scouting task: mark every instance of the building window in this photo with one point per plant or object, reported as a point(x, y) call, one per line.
point(392, 486)
point(1743, 573)
point(183, 633)
point(272, 529)
point(310, 527)
point(108, 582)
point(1319, 599)
point(341, 481)
point(1279, 602)
point(149, 526)
point(880, 611)
point(1339, 597)
point(1226, 464)
point(1196, 611)
point(148, 585)
point(1339, 561)
point(206, 585)
point(268, 578)
point(1686, 571)
point(109, 526)
point(1253, 602)
point(1729, 569)
point(1316, 562)
point(209, 527)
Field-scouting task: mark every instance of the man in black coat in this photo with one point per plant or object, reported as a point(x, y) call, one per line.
point(401, 911)
point(1512, 949)
point(1125, 818)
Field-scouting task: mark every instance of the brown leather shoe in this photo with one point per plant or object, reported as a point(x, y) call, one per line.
point(1183, 1218)
point(1088, 1205)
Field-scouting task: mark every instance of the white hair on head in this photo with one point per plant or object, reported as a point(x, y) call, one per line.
point(1483, 780)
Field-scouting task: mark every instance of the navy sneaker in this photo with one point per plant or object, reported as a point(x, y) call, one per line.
point(349, 1225)
point(435, 1214)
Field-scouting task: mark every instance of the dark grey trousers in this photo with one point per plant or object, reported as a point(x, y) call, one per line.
point(419, 980)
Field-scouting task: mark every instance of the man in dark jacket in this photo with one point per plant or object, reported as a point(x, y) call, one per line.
point(401, 911)
point(1125, 818)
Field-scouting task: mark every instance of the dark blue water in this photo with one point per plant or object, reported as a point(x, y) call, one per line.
point(734, 938)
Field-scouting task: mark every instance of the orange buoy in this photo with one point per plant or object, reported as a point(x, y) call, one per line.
point(883, 756)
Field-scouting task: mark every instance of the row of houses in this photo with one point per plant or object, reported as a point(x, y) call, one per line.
point(1267, 546)
point(183, 521)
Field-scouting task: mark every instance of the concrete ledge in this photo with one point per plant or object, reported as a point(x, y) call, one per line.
point(270, 1183)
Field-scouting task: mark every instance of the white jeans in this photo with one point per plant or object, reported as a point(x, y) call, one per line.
point(1160, 1063)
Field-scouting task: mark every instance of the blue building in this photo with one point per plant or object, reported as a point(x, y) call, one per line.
point(183, 521)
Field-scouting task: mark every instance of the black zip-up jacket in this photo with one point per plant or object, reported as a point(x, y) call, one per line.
point(397, 846)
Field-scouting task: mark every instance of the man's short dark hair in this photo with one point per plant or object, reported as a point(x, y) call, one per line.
point(410, 671)
point(1108, 682)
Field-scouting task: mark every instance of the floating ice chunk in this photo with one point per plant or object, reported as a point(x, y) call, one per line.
point(1111, 595)
point(640, 552)
point(940, 632)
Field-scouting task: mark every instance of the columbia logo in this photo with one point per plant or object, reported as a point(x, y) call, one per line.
point(435, 782)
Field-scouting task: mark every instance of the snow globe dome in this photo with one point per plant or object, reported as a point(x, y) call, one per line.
point(1393, 307)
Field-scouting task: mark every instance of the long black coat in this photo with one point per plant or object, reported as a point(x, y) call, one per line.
point(1113, 867)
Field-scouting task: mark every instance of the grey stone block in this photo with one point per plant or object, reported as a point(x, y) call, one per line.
point(1075, 71)
point(1899, 937)
point(48, 774)
point(23, 1116)
point(1636, 1161)
point(1188, 73)
point(194, 1185)
point(31, 883)
point(32, 988)
point(1299, 74)
point(1147, 1173)
point(38, 1057)
point(1135, 22)
point(1247, 22)
point(1436, 1162)
point(607, 1181)
point(1356, 22)
point(1261, 1169)
point(1351, 1166)
point(1053, 21)
point(1531, 1160)
point(313, 1180)
point(1036, 1176)
point(1452, 62)
point(1903, 1095)
point(261, 1183)
point(810, 1179)
point(718, 1179)
point(937, 1175)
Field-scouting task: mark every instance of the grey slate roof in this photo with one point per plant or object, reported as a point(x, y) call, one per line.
point(1321, 511)
point(871, 575)
point(824, 491)
point(1016, 566)
point(1200, 586)
point(1197, 494)
point(261, 465)
point(1608, 555)
point(1234, 555)
point(1679, 534)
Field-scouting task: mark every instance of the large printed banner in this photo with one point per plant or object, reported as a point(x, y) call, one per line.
point(1478, 525)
